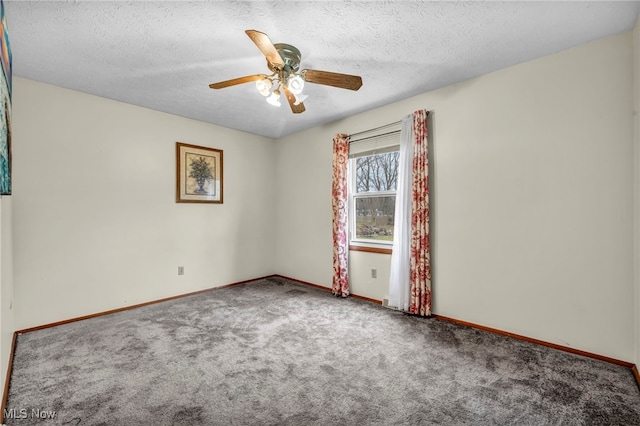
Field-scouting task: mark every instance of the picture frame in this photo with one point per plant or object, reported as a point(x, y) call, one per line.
point(199, 174)
point(5, 105)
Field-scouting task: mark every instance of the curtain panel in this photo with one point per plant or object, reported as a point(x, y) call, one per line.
point(339, 194)
point(410, 280)
point(420, 271)
point(399, 289)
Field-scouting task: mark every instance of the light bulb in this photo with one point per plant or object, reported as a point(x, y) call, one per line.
point(300, 98)
point(274, 98)
point(296, 84)
point(264, 86)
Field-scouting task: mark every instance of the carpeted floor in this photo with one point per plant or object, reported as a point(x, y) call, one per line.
point(273, 352)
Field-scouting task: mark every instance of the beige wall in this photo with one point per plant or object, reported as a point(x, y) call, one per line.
point(6, 286)
point(532, 199)
point(96, 224)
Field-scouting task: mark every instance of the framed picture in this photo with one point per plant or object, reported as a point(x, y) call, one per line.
point(198, 174)
point(5, 106)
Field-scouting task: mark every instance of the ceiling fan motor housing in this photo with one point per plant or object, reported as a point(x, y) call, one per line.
point(290, 55)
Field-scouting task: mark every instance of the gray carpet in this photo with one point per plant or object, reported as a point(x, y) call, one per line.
point(273, 352)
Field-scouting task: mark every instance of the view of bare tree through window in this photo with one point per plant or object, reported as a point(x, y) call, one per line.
point(376, 180)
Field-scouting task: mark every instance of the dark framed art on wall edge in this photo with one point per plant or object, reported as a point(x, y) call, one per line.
point(199, 177)
point(5, 105)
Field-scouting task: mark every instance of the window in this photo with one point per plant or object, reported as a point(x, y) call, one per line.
point(373, 177)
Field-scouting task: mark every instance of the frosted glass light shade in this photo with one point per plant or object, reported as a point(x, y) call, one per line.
point(296, 84)
point(274, 98)
point(264, 86)
point(300, 98)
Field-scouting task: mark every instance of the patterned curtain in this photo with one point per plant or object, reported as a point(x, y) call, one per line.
point(420, 271)
point(339, 197)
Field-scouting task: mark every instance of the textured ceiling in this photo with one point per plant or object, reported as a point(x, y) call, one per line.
point(163, 55)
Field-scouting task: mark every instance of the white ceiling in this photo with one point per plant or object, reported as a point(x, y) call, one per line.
point(163, 55)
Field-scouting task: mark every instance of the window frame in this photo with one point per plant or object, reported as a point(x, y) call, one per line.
point(375, 246)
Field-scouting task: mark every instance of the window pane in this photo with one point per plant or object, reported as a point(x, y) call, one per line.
point(374, 218)
point(377, 172)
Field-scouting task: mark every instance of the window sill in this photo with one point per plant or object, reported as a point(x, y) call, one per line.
point(368, 249)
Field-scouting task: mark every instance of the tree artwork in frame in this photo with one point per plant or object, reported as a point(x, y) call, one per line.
point(198, 174)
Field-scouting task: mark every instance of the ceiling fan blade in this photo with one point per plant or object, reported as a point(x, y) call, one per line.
point(267, 48)
point(235, 81)
point(343, 81)
point(296, 109)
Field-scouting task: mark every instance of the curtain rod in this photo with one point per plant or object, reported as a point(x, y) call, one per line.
point(378, 128)
point(375, 136)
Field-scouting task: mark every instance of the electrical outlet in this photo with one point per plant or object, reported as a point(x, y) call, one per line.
point(374, 273)
point(180, 270)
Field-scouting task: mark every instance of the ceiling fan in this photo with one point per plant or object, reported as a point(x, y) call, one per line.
point(284, 62)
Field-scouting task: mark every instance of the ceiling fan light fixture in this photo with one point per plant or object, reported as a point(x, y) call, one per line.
point(296, 84)
point(284, 62)
point(300, 98)
point(264, 86)
point(274, 98)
